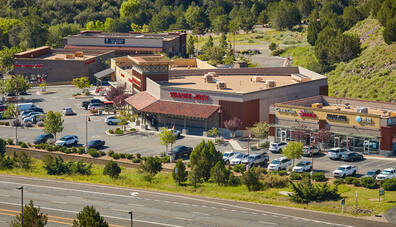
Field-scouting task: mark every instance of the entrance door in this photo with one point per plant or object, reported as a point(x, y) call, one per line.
point(366, 147)
point(336, 141)
point(283, 135)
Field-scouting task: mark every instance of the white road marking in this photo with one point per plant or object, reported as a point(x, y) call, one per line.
point(267, 223)
point(185, 219)
point(200, 213)
point(136, 205)
point(124, 211)
point(106, 216)
point(158, 193)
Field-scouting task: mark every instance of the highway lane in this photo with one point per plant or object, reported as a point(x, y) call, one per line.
point(61, 199)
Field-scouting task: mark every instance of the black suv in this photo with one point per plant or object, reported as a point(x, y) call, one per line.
point(351, 157)
point(85, 104)
point(181, 151)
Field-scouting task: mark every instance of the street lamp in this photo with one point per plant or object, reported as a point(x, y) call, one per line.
point(21, 188)
point(86, 133)
point(221, 122)
point(131, 213)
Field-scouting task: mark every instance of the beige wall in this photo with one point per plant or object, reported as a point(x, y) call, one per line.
point(99, 41)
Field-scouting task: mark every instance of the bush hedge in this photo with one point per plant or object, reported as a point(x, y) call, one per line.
point(319, 177)
point(369, 182)
point(295, 176)
point(389, 184)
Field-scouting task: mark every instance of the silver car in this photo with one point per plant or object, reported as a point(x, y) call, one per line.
point(237, 159)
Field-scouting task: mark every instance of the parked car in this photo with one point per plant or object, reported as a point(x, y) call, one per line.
point(96, 106)
point(43, 138)
point(96, 101)
point(96, 144)
point(279, 164)
point(237, 159)
point(227, 155)
point(302, 166)
point(351, 157)
point(256, 160)
point(336, 153)
point(112, 120)
point(175, 132)
point(310, 150)
point(345, 171)
point(372, 173)
point(25, 106)
point(386, 174)
point(31, 114)
point(33, 119)
point(68, 140)
point(85, 104)
point(277, 147)
point(181, 151)
point(33, 109)
point(3, 108)
point(67, 111)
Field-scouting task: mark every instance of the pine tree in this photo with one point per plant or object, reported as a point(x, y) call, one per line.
point(32, 216)
point(179, 173)
point(89, 217)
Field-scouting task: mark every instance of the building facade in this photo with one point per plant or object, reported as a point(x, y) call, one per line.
point(59, 65)
point(362, 126)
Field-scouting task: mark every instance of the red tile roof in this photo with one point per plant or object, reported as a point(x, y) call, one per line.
point(153, 49)
point(181, 109)
point(141, 100)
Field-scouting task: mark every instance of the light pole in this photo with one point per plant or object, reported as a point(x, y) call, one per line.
point(17, 113)
point(248, 164)
point(86, 133)
point(131, 213)
point(21, 188)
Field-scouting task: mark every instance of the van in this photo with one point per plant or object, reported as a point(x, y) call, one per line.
point(25, 106)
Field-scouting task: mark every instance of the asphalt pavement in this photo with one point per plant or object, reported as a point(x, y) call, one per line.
point(62, 201)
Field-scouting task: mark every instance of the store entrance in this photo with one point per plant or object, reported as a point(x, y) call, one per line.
point(336, 141)
point(366, 147)
point(283, 135)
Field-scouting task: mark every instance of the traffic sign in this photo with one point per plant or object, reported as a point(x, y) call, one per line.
point(342, 202)
point(381, 191)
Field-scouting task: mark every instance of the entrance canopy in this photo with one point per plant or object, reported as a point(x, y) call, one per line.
point(144, 102)
point(104, 73)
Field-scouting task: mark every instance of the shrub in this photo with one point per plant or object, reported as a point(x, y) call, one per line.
point(118, 131)
point(339, 181)
point(29, 144)
point(61, 149)
point(275, 181)
point(277, 52)
point(112, 169)
point(116, 156)
point(129, 156)
point(280, 172)
point(165, 159)
point(239, 168)
point(7, 123)
point(136, 160)
point(40, 124)
point(219, 174)
point(389, 184)
point(82, 168)
point(81, 150)
point(111, 153)
point(273, 46)
point(111, 131)
point(369, 182)
point(181, 174)
point(28, 124)
point(305, 192)
point(93, 152)
point(356, 182)
point(132, 129)
point(138, 156)
point(349, 180)
point(264, 145)
point(234, 180)
point(251, 180)
point(102, 153)
point(23, 145)
point(10, 142)
point(152, 166)
point(295, 176)
point(56, 166)
point(22, 160)
point(122, 155)
point(319, 177)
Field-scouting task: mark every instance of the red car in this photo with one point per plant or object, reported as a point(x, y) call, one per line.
point(3, 108)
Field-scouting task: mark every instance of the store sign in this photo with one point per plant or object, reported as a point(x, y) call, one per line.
point(114, 41)
point(286, 111)
point(188, 96)
point(34, 66)
point(335, 117)
point(90, 61)
point(364, 120)
point(391, 121)
point(135, 81)
point(307, 114)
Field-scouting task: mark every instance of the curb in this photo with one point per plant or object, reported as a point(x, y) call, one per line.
point(388, 217)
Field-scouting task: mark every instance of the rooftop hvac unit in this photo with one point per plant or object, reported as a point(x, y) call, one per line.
point(347, 106)
point(212, 73)
point(300, 77)
point(392, 114)
point(208, 78)
point(221, 85)
point(362, 110)
point(257, 79)
point(69, 56)
point(317, 105)
point(79, 54)
point(270, 83)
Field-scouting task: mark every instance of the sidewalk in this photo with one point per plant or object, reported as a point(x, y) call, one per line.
point(391, 215)
point(236, 146)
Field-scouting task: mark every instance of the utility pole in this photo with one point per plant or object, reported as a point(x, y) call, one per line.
point(131, 213)
point(21, 188)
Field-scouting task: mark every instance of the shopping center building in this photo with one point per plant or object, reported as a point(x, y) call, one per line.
point(205, 98)
point(363, 126)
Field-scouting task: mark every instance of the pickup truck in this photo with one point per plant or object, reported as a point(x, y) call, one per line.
point(336, 153)
point(345, 170)
point(279, 164)
point(256, 160)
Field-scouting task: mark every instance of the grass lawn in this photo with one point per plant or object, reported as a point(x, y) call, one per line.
point(367, 199)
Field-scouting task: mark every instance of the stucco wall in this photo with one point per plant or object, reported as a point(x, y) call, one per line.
point(129, 42)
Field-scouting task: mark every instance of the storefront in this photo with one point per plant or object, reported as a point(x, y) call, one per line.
point(358, 125)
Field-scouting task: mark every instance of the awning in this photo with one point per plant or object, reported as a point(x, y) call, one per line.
point(137, 49)
point(104, 73)
point(140, 100)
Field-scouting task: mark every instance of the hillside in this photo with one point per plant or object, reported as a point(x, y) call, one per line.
point(372, 75)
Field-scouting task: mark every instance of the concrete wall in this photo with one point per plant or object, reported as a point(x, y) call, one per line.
point(129, 42)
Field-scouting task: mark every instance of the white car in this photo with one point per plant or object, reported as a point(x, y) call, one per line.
point(279, 164)
point(67, 111)
point(237, 159)
point(336, 153)
point(277, 147)
point(345, 170)
point(227, 155)
point(310, 151)
point(68, 140)
point(302, 166)
point(112, 120)
point(386, 174)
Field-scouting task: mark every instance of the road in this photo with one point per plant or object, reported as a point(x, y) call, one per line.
point(63, 200)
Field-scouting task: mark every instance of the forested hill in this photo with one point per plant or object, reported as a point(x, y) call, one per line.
point(372, 75)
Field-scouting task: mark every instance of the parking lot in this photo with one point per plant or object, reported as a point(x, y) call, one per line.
point(139, 142)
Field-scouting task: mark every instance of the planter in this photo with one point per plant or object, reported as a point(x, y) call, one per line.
point(125, 133)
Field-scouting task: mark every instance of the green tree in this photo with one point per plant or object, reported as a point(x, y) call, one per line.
point(17, 84)
point(179, 173)
point(23, 161)
point(263, 17)
point(32, 216)
point(112, 169)
point(389, 32)
point(56, 166)
point(33, 32)
point(151, 165)
point(12, 111)
point(190, 46)
point(195, 176)
point(161, 20)
point(195, 16)
point(351, 16)
point(313, 30)
point(220, 24)
point(251, 179)
point(2, 147)
point(219, 174)
point(204, 157)
point(167, 137)
point(285, 15)
point(89, 217)
point(213, 132)
point(57, 32)
point(305, 7)
point(272, 46)
point(53, 123)
point(293, 150)
point(129, 8)
point(260, 130)
point(7, 57)
point(81, 82)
